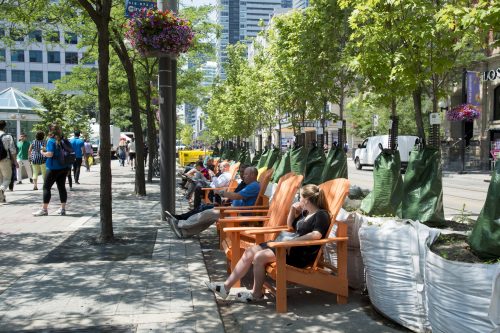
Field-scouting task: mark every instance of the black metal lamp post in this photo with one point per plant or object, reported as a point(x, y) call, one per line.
point(167, 81)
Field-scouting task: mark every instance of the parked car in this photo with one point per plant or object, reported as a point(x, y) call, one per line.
point(367, 152)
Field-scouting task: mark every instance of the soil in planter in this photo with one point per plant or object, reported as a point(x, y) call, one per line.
point(455, 247)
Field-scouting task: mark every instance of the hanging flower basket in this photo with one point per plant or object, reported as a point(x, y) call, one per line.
point(157, 33)
point(467, 112)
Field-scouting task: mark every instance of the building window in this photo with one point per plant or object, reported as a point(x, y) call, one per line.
point(3, 75)
point(2, 54)
point(53, 37)
point(496, 104)
point(36, 76)
point(36, 56)
point(70, 38)
point(17, 55)
point(35, 35)
point(71, 58)
point(53, 57)
point(52, 76)
point(18, 76)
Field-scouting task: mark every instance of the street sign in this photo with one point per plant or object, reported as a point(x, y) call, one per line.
point(435, 119)
point(340, 123)
point(308, 123)
point(132, 6)
point(375, 120)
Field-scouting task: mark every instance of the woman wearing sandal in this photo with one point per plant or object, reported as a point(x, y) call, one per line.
point(309, 219)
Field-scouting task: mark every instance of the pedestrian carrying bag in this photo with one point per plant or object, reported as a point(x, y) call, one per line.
point(67, 156)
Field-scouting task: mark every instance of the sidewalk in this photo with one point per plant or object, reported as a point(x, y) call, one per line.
point(54, 278)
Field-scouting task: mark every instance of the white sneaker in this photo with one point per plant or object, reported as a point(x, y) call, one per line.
point(61, 211)
point(41, 212)
point(218, 288)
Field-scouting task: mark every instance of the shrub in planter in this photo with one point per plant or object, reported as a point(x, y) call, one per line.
point(154, 32)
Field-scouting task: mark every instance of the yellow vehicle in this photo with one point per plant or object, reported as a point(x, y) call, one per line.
point(191, 156)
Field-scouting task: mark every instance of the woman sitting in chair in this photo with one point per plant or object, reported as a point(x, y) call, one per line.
point(309, 219)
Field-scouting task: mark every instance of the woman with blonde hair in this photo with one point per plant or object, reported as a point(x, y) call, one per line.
point(309, 219)
point(56, 171)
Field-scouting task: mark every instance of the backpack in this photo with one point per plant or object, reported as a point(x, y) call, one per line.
point(3, 151)
point(67, 155)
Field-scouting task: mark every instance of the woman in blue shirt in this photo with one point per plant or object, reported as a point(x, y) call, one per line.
point(56, 171)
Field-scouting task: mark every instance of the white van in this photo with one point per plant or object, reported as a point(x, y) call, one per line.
point(369, 150)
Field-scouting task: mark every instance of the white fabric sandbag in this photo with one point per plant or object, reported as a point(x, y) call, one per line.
point(393, 253)
point(460, 295)
point(270, 189)
point(494, 312)
point(355, 266)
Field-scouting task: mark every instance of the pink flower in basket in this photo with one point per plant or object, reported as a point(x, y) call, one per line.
point(153, 31)
point(461, 112)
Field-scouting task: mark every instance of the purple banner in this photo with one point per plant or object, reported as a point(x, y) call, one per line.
point(474, 88)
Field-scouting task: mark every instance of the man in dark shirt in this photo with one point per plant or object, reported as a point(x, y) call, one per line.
point(202, 220)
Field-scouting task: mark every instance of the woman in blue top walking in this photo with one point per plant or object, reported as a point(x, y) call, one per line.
point(56, 172)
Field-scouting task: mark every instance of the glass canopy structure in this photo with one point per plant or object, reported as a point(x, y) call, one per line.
point(18, 110)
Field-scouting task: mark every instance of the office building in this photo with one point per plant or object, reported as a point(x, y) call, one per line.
point(240, 20)
point(35, 60)
point(300, 4)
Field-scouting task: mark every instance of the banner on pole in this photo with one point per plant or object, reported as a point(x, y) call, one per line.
point(132, 6)
point(474, 88)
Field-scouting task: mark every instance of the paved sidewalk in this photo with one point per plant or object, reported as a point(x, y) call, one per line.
point(54, 278)
point(50, 281)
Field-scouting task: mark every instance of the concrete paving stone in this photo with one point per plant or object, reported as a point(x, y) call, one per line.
point(152, 328)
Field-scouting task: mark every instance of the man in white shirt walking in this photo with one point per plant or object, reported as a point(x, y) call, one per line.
point(7, 158)
point(131, 153)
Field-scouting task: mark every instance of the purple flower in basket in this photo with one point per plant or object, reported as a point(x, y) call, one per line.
point(152, 30)
point(461, 112)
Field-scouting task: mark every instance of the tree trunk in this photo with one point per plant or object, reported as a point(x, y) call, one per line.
point(101, 19)
point(417, 105)
point(121, 51)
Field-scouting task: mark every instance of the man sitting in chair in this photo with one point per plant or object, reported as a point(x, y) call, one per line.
point(201, 221)
point(221, 181)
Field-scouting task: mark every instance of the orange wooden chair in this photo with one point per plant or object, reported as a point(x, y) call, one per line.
point(262, 202)
point(319, 275)
point(275, 216)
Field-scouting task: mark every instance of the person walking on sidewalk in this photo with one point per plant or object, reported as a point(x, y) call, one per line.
point(78, 147)
point(56, 171)
point(7, 153)
point(23, 158)
point(37, 159)
point(131, 153)
point(89, 154)
point(122, 151)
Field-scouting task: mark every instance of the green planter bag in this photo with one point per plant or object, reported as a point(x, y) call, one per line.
point(314, 166)
point(283, 167)
point(335, 165)
point(423, 188)
point(298, 157)
point(274, 154)
point(385, 199)
point(485, 237)
point(255, 159)
point(263, 158)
